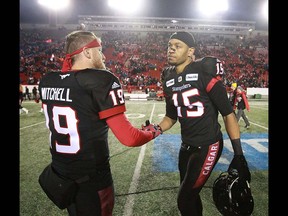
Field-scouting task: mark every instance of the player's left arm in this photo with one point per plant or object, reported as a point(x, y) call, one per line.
point(232, 127)
point(218, 94)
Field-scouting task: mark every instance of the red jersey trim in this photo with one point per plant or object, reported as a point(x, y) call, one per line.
point(208, 165)
point(112, 111)
point(211, 84)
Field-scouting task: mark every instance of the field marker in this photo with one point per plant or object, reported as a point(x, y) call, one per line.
point(253, 123)
point(32, 125)
point(128, 208)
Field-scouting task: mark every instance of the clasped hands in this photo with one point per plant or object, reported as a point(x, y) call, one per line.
point(154, 128)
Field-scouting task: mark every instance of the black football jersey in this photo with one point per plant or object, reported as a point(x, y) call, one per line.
point(194, 97)
point(76, 105)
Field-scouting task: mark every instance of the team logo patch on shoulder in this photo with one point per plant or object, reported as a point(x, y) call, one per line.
point(115, 85)
point(64, 76)
point(191, 77)
point(170, 82)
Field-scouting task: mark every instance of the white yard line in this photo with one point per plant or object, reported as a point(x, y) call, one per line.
point(32, 125)
point(266, 128)
point(128, 208)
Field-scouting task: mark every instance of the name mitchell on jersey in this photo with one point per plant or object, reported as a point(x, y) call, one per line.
point(58, 94)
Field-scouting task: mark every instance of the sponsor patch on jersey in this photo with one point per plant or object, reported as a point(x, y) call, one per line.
point(191, 77)
point(170, 82)
point(115, 85)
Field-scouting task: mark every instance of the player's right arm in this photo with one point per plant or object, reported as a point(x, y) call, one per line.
point(126, 133)
point(170, 117)
point(167, 123)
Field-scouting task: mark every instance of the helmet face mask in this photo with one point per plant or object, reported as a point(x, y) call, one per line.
point(231, 197)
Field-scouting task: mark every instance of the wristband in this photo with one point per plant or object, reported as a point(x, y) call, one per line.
point(159, 128)
point(237, 148)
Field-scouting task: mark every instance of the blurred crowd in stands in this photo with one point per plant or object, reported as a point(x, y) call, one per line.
point(138, 58)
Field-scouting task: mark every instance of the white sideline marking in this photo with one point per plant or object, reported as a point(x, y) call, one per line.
point(252, 123)
point(32, 125)
point(128, 208)
point(259, 125)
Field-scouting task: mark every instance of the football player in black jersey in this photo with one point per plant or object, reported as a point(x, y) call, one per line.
point(80, 104)
point(194, 96)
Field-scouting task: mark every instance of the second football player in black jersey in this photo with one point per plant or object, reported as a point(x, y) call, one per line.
point(194, 96)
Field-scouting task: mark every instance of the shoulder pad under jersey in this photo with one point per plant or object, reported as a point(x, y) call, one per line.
point(211, 65)
point(166, 71)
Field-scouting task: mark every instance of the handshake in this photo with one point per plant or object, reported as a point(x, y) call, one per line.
point(154, 128)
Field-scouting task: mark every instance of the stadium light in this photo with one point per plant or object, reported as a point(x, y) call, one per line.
point(126, 6)
point(265, 10)
point(211, 7)
point(54, 4)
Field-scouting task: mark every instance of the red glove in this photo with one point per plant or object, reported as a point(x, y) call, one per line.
point(156, 129)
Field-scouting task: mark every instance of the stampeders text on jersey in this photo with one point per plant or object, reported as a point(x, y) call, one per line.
point(58, 94)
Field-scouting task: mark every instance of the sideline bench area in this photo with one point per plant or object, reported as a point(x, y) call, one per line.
point(142, 96)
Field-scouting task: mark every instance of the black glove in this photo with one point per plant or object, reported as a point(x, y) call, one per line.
point(155, 129)
point(240, 164)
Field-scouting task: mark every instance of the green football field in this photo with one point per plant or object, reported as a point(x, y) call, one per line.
point(146, 178)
